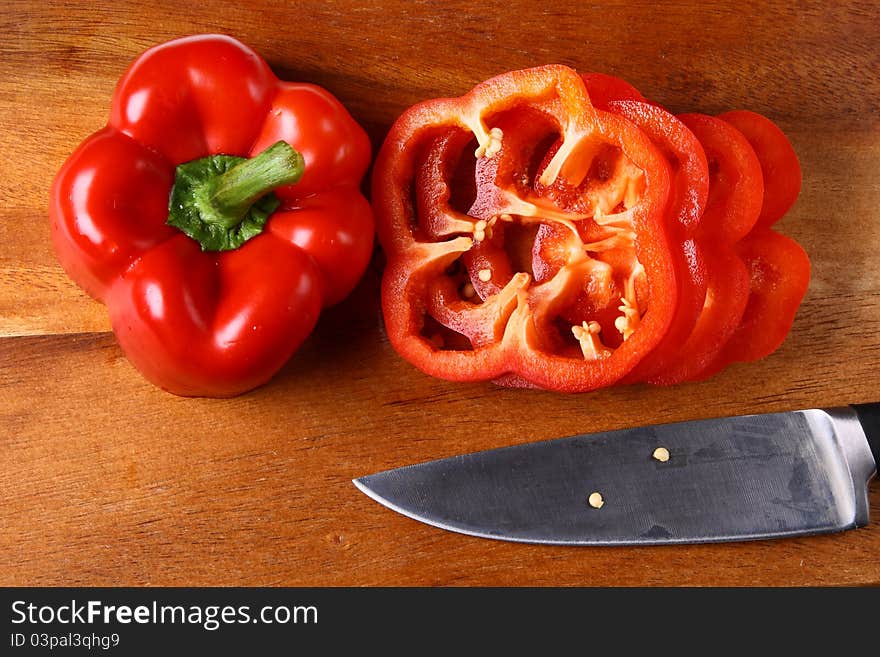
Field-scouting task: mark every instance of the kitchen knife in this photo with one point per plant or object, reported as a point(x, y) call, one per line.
point(726, 479)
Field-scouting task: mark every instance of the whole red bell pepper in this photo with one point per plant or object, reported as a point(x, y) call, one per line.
point(525, 235)
point(215, 215)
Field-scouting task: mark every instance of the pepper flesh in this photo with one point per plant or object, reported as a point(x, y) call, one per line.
point(212, 323)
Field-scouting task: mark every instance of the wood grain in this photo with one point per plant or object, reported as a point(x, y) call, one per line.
point(108, 481)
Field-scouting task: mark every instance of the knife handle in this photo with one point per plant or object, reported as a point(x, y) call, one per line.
point(869, 417)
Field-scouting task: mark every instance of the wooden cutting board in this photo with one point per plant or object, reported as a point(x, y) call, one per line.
point(106, 480)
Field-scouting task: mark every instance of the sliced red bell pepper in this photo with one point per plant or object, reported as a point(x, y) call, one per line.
point(776, 268)
point(727, 293)
point(567, 204)
point(690, 189)
point(736, 189)
point(780, 168)
point(682, 356)
point(733, 205)
point(161, 214)
point(604, 88)
point(779, 275)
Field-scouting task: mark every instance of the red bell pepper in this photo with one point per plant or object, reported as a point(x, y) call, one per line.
point(779, 274)
point(690, 189)
point(605, 89)
point(736, 188)
point(591, 238)
point(732, 208)
point(779, 269)
point(211, 240)
point(780, 168)
point(552, 267)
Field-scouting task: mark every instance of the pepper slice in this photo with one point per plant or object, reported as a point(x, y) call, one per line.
point(566, 202)
point(604, 89)
point(779, 275)
point(690, 185)
point(780, 168)
point(727, 292)
point(732, 208)
point(736, 187)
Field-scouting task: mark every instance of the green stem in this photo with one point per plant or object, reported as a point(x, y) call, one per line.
point(232, 194)
point(221, 201)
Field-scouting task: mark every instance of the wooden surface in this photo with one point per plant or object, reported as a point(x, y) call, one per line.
point(106, 480)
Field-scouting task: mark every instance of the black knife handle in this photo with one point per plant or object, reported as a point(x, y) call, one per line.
point(869, 417)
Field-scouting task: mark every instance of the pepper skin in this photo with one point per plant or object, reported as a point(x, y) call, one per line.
point(212, 323)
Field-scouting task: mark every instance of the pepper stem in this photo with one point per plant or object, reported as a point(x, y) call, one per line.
point(229, 197)
point(222, 201)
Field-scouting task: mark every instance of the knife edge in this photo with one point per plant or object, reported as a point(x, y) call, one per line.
point(362, 483)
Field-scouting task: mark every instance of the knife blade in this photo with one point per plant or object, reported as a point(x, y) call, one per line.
point(726, 479)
